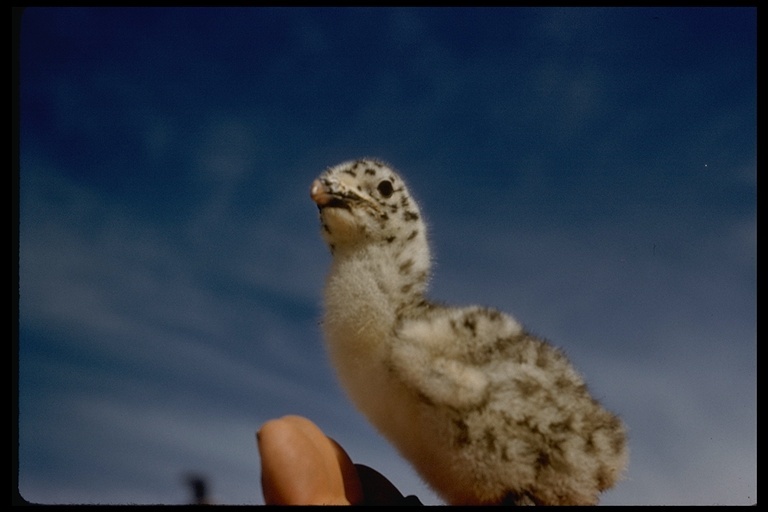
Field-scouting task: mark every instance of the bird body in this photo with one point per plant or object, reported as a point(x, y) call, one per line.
point(486, 412)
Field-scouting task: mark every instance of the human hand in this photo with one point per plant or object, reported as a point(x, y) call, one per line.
point(300, 465)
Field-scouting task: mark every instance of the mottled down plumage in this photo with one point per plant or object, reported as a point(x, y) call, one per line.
point(485, 412)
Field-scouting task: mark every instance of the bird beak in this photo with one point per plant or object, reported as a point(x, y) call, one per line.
point(320, 194)
point(323, 196)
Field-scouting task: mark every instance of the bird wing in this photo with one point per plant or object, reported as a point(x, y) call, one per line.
point(444, 356)
point(438, 379)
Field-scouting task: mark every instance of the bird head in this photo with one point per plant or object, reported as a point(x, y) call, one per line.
point(365, 202)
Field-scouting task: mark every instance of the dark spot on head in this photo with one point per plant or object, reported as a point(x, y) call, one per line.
point(390, 239)
point(410, 216)
point(492, 314)
point(370, 172)
point(406, 267)
point(471, 324)
point(413, 234)
point(406, 288)
point(350, 172)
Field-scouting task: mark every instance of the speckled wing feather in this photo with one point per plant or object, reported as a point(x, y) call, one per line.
point(509, 396)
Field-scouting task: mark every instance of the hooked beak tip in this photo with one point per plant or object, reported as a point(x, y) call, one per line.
point(319, 193)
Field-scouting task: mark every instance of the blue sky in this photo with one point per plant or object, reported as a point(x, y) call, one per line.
point(590, 171)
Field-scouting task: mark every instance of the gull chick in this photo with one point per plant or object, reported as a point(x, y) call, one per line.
point(486, 412)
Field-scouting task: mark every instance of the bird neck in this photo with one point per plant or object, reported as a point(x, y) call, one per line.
point(391, 274)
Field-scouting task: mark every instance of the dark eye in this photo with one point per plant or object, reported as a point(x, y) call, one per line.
point(385, 188)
